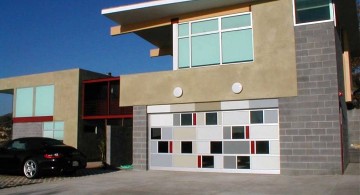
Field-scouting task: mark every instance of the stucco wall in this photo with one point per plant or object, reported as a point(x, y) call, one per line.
point(272, 73)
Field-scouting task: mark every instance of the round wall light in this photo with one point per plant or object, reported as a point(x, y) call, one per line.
point(178, 92)
point(237, 88)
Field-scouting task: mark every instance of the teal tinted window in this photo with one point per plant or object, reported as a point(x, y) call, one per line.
point(237, 46)
point(184, 53)
point(44, 101)
point(24, 102)
point(54, 130)
point(59, 135)
point(313, 10)
point(216, 41)
point(183, 30)
point(49, 134)
point(59, 126)
point(205, 50)
point(204, 26)
point(48, 126)
point(236, 21)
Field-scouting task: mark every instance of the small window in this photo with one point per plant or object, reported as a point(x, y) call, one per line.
point(55, 130)
point(155, 133)
point(238, 132)
point(216, 147)
point(313, 10)
point(262, 147)
point(186, 119)
point(256, 117)
point(163, 147)
point(211, 118)
point(207, 162)
point(186, 147)
point(243, 162)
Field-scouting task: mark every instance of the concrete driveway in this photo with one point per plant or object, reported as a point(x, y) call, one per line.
point(166, 182)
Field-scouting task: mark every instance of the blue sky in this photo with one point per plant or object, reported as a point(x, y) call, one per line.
point(49, 35)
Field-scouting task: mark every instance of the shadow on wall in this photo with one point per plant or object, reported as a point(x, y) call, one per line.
point(93, 134)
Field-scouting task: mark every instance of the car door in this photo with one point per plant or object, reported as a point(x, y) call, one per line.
point(10, 155)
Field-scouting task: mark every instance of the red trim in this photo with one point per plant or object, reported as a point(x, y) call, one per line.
point(247, 132)
point(199, 161)
point(108, 98)
point(252, 147)
point(171, 147)
point(83, 99)
point(32, 119)
point(108, 116)
point(341, 140)
point(194, 118)
point(102, 80)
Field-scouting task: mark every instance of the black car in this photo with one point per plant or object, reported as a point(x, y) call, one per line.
point(38, 155)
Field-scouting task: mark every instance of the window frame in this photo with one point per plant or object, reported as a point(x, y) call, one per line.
point(332, 15)
point(219, 32)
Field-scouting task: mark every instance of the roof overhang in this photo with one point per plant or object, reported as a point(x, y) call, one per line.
point(152, 20)
point(155, 10)
point(347, 15)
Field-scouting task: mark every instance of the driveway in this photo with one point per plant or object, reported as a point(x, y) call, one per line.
point(167, 182)
point(12, 180)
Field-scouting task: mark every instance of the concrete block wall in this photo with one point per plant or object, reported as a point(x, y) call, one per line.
point(354, 135)
point(140, 138)
point(310, 137)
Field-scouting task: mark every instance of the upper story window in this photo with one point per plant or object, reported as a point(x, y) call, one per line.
point(216, 41)
point(308, 11)
point(34, 101)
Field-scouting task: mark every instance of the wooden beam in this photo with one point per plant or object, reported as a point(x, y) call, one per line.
point(347, 70)
point(123, 29)
point(160, 52)
point(214, 13)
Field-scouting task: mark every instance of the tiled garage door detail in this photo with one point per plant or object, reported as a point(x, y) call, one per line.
point(243, 141)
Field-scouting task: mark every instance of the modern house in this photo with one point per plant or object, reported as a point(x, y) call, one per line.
point(71, 105)
point(256, 87)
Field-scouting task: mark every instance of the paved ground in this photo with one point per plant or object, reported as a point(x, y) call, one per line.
point(13, 180)
point(166, 182)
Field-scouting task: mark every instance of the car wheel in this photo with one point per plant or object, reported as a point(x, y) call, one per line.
point(31, 169)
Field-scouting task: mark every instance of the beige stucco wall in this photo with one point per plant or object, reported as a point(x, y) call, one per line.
point(67, 93)
point(272, 74)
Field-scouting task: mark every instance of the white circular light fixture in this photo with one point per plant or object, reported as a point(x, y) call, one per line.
point(237, 88)
point(178, 92)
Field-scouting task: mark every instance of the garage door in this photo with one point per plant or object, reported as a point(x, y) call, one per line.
point(242, 141)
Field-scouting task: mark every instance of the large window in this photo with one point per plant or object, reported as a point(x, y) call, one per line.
point(54, 130)
point(34, 101)
point(313, 10)
point(222, 40)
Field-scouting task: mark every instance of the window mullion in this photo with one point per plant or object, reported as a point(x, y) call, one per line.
point(220, 39)
point(190, 44)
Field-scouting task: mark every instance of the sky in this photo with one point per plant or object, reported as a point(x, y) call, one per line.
point(38, 36)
